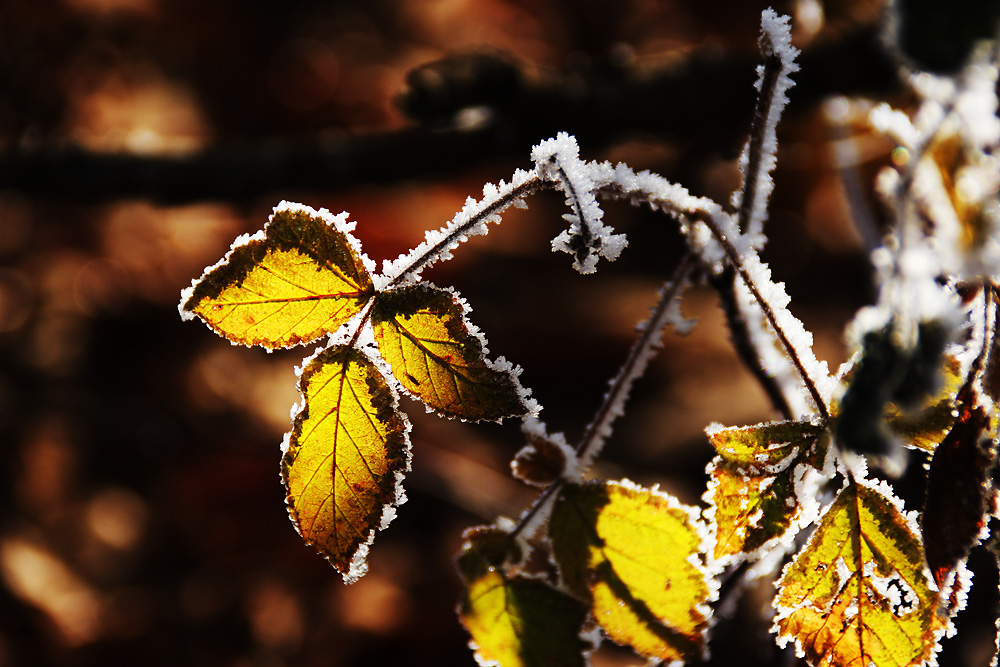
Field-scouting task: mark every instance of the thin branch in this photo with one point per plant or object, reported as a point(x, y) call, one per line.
point(737, 262)
point(725, 285)
point(636, 362)
point(753, 174)
point(454, 236)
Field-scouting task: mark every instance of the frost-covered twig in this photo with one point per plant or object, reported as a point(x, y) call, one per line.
point(759, 156)
point(666, 311)
point(726, 284)
point(587, 238)
point(773, 302)
point(713, 236)
point(472, 220)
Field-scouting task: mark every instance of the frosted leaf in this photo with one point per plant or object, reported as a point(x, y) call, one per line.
point(587, 239)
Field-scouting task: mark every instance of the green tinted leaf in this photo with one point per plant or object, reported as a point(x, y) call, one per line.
point(347, 452)
point(423, 333)
point(927, 426)
point(516, 621)
point(858, 593)
point(767, 447)
point(754, 482)
point(298, 281)
point(631, 552)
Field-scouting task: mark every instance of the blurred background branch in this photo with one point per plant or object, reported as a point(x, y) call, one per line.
point(469, 110)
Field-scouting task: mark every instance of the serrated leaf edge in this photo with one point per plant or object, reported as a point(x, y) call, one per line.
point(883, 488)
point(339, 222)
point(358, 565)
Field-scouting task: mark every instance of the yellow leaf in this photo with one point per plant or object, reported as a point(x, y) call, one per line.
point(859, 594)
point(515, 621)
point(299, 280)
point(752, 492)
point(347, 452)
point(764, 447)
point(927, 426)
point(632, 553)
point(422, 332)
point(749, 511)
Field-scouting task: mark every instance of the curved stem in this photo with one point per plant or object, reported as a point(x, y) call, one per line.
point(736, 261)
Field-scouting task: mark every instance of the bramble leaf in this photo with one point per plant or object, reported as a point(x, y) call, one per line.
point(754, 480)
point(346, 455)
point(859, 592)
point(423, 334)
point(631, 553)
point(960, 493)
point(516, 621)
point(925, 427)
point(298, 280)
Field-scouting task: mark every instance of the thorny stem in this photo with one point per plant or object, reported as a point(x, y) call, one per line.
point(736, 261)
point(594, 435)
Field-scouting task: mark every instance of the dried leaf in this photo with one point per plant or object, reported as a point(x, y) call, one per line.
point(959, 490)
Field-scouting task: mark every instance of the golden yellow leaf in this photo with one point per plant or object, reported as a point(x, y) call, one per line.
point(858, 593)
point(422, 332)
point(516, 621)
point(347, 452)
point(765, 447)
point(631, 552)
point(299, 280)
point(752, 492)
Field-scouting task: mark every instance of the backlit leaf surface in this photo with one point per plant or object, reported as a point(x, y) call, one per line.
point(516, 621)
point(423, 333)
point(754, 482)
point(631, 552)
point(859, 593)
point(297, 281)
point(347, 452)
point(925, 427)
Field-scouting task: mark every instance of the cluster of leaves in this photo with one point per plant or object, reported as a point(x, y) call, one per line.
point(871, 584)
